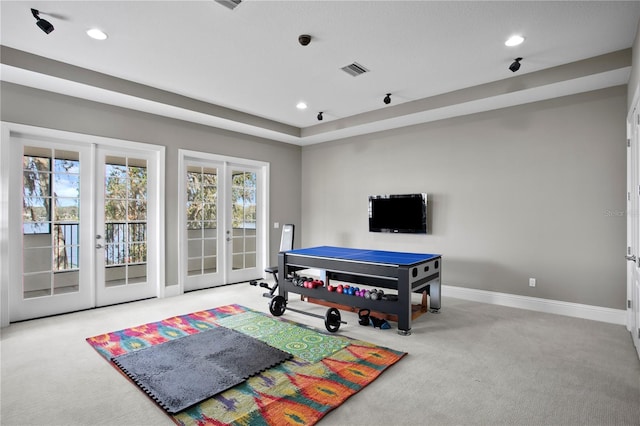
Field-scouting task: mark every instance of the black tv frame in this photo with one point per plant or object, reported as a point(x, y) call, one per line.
point(387, 204)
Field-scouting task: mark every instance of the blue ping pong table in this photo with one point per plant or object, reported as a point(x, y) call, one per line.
point(405, 273)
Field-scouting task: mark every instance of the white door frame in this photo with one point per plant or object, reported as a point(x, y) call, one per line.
point(184, 157)
point(7, 130)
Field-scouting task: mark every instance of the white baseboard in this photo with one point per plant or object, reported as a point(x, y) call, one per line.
point(596, 313)
point(172, 290)
point(576, 310)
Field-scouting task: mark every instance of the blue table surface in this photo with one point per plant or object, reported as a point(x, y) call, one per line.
point(363, 255)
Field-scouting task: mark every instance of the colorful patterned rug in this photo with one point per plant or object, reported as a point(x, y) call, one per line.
point(324, 372)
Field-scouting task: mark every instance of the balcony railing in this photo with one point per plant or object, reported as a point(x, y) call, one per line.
point(125, 244)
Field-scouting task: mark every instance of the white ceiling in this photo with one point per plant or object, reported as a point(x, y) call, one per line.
point(249, 60)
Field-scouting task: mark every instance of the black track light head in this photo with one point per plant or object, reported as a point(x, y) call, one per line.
point(43, 24)
point(515, 66)
point(387, 99)
point(304, 39)
point(320, 117)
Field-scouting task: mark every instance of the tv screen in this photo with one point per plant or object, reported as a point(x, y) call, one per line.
point(406, 213)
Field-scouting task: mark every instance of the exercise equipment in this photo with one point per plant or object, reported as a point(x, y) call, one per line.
point(332, 318)
point(286, 244)
point(363, 316)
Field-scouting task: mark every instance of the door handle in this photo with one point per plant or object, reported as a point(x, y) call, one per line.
point(98, 246)
point(631, 258)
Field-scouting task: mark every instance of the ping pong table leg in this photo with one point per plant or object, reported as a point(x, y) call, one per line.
point(434, 296)
point(282, 275)
point(404, 302)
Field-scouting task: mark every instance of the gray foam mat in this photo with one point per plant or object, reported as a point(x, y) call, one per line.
point(182, 372)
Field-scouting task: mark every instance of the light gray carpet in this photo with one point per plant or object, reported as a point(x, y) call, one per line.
point(473, 364)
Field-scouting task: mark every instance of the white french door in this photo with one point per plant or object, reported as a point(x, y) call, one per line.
point(633, 223)
point(242, 228)
point(223, 220)
point(50, 228)
point(126, 225)
point(83, 222)
point(201, 225)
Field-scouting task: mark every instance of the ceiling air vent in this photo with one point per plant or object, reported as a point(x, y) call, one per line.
point(355, 69)
point(231, 4)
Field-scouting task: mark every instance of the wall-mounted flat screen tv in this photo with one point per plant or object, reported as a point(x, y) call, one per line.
point(405, 213)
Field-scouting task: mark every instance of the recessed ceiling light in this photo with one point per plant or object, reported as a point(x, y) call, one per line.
point(301, 105)
point(514, 40)
point(97, 34)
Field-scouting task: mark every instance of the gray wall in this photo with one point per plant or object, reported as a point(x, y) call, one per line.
point(45, 109)
point(634, 78)
point(532, 191)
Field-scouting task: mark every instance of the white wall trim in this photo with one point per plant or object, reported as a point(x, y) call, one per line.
point(160, 159)
point(173, 290)
point(181, 198)
point(577, 310)
point(4, 225)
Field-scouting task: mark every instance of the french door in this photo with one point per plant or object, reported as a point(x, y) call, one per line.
point(83, 223)
point(126, 225)
point(50, 269)
point(633, 223)
point(224, 220)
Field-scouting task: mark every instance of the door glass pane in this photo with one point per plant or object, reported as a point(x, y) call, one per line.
point(50, 221)
point(244, 217)
point(37, 285)
point(125, 219)
point(67, 282)
point(202, 220)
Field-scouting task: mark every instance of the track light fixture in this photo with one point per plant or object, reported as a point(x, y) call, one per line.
point(515, 66)
point(387, 99)
point(320, 117)
point(44, 25)
point(304, 39)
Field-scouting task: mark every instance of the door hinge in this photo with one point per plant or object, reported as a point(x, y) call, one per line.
point(628, 196)
point(628, 304)
point(628, 251)
point(628, 143)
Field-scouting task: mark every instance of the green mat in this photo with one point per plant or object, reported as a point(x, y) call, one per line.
point(301, 342)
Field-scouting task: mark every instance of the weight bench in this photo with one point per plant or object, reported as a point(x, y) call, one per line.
point(286, 244)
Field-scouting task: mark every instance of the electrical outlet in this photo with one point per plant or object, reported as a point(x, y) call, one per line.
point(276, 225)
point(532, 282)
